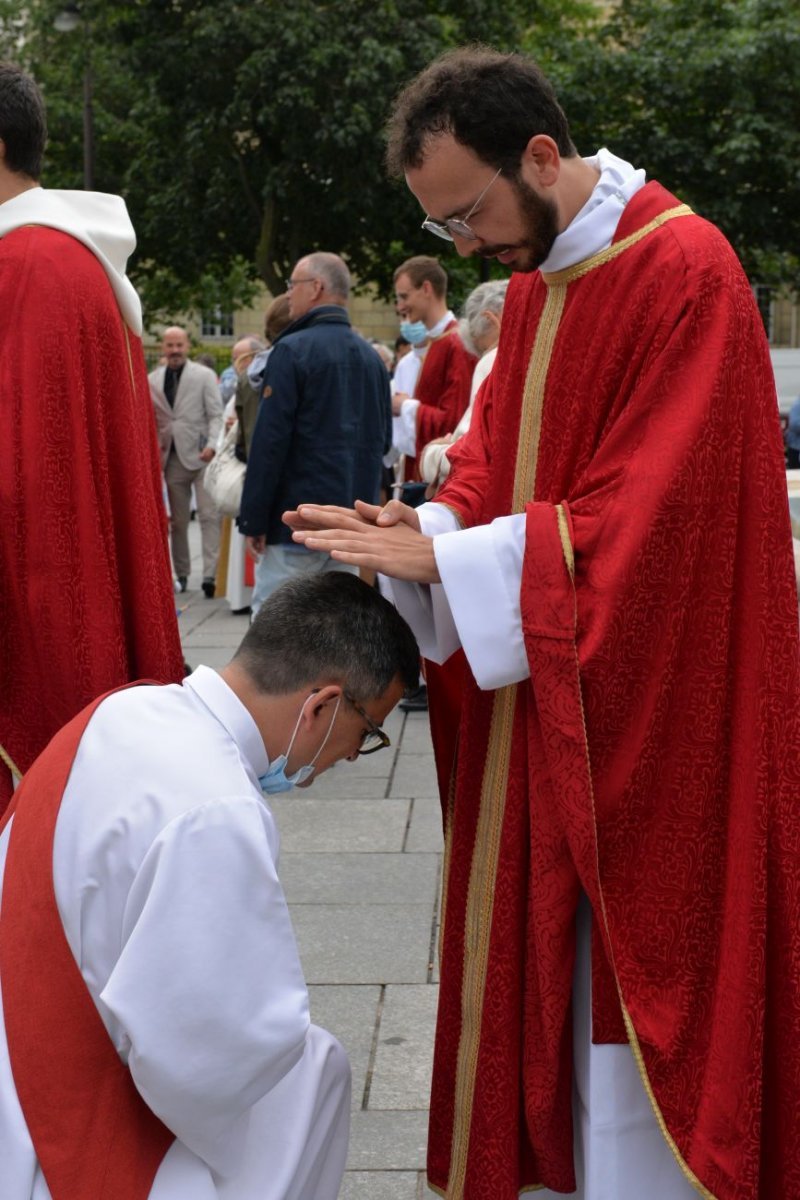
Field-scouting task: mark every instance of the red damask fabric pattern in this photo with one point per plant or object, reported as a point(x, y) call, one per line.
point(443, 389)
point(86, 595)
point(654, 758)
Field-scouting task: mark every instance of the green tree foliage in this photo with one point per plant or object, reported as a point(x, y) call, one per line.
point(245, 133)
point(705, 95)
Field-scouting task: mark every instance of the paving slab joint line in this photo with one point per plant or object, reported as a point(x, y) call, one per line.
point(393, 767)
point(205, 617)
point(407, 831)
point(373, 1050)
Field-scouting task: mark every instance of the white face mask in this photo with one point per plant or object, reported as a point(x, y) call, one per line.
point(275, 779)
point(414, 332)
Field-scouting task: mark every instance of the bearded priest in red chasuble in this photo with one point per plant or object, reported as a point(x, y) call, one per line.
point(620, 950)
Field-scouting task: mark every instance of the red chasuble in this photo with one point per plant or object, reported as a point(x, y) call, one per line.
point(652, 758)
point(94, 1136)
point(443, 389)
point(86, 595)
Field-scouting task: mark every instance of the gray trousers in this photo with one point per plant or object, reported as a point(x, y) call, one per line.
point(179, 482)
point(277, 564)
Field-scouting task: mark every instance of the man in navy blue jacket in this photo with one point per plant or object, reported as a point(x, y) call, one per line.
point(323, 425)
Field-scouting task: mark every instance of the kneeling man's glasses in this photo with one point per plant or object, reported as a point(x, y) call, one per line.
point(373, 737)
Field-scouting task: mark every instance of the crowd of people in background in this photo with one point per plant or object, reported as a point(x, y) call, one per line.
point(314, 410)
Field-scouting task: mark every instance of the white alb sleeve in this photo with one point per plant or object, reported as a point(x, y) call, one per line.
point(426, 608)
point(404, 427)
point(481, 573)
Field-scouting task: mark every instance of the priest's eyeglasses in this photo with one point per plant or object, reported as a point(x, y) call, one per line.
point(458, 225)
point(373, 737)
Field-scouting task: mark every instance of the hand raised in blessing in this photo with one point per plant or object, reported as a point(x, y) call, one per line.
point(384, 539)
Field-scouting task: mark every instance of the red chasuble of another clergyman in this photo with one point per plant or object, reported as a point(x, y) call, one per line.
point(93, 1134)
point(651, 761)
point(86, 595)
point(443, 389)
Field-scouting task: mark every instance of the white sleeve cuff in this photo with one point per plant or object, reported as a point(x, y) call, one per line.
point(404, 428)
point(481, 572)
point(436, 518)
point(425, 607)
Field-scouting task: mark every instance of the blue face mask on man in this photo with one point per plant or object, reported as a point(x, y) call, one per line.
point(414, 332)
point(275, 779)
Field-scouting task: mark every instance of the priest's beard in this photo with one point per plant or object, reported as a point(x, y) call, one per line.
point(540, 220)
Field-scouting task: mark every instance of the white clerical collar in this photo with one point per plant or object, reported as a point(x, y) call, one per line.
point(228, 709)
point(98, 220)
point(592, 229)
point(440, 326)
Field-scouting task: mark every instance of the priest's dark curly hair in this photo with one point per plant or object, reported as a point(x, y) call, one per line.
point(492, 103)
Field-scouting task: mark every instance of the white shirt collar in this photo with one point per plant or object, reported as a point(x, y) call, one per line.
point(223, 703)
point(440, 326)
point(98, 220)
point(592, 229)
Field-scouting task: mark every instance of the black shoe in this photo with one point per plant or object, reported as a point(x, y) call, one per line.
point(415, 700)
point(183, 583)
point(241, 612)
point(209, 586)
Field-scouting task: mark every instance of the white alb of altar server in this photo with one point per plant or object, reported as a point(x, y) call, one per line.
point(165, 874)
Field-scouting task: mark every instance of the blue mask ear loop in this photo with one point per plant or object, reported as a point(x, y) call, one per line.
point(324, 740)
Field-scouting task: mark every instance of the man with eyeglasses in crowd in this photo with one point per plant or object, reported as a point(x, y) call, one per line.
point(323, 425)
point(619, 1010)
point(156, 1041)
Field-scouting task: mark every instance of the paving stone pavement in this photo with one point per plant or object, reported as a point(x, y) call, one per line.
point(361, 867)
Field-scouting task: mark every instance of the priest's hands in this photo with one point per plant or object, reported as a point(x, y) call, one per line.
point(384, 539)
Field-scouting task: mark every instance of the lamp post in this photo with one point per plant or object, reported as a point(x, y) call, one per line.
point(69, 19)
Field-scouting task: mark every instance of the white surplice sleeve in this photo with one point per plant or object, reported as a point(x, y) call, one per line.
point(477, 604)
point(404, 427)
point(208, 987)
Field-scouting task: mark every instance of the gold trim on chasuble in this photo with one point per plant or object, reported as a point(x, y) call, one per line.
point(480, 895)
point(633, 1038)
point(486, 851)
point(8, 760)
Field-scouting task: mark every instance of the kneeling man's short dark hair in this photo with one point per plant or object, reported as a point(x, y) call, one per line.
point(329, 626)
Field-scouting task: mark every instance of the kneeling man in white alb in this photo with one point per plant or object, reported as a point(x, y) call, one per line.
point(155, 1041)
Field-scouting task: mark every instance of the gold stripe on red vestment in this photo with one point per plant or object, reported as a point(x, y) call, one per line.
point(8, 760)
point(569, 274)
point(491, 812)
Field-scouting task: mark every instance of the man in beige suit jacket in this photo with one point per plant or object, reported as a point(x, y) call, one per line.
point(188, 412)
